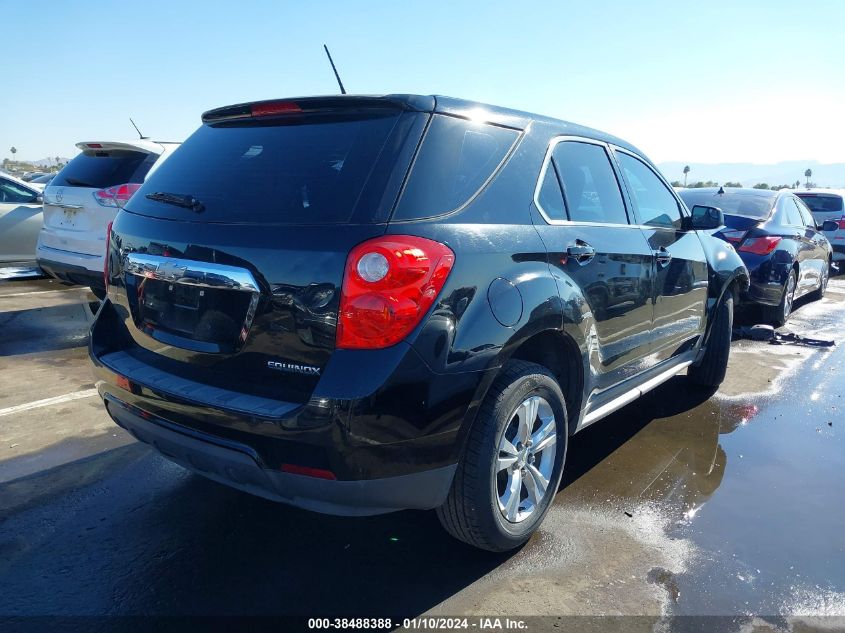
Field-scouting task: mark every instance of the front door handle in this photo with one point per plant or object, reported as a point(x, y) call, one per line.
point(663, 256)
point(581, 252)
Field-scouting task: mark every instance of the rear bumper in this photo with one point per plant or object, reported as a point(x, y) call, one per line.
point(380, 421)
point(238, 466)
point(75, 268)
point(767, 277)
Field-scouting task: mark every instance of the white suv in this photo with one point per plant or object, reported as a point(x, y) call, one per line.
point(828, 205)
point(84, 198)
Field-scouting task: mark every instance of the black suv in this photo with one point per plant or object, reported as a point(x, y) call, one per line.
point(357, 305)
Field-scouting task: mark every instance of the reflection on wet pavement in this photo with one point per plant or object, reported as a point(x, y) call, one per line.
point(684, 504)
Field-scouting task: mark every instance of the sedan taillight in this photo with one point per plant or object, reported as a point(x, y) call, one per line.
point(389, 284)
point(116, 196)
point(760, 245)
point(733, 236)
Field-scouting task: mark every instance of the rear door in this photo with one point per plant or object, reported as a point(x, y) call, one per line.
point(680, 265)
point(592, 244)
point(73, 218)
point(795, 230)
point(817, 259)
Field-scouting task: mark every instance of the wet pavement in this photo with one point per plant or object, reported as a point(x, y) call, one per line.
point(684, 503)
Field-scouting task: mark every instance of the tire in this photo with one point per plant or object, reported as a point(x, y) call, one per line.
point(710, 372)
point(474, 512)
point(779, 314)
point(819, 294)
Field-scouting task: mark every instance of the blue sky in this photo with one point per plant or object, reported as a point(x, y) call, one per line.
point(689, 81)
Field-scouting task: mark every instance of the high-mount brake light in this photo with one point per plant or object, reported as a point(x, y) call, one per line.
point(95, 146)
point(273, 108)
point(389, 284)
point(760, 245)
point(116, 196)
point(106, 258)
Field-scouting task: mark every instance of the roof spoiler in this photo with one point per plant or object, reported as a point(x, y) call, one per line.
point(316, 105)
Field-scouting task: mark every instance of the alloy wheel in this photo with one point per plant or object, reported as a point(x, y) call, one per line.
point(526, 459)
point(789, 295)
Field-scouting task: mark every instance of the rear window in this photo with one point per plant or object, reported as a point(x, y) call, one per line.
point(105, 168)
point(456, 158)
point(313, 169)
point(757, 207)
point(822, 202)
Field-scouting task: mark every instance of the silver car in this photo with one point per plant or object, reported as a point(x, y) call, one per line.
point(20, 221)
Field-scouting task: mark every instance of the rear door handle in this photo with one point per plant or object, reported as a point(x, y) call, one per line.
point(581, 252)
point(663, 256)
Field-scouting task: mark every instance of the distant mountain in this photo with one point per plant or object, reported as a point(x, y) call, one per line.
point(749, 174)
point(47, 162)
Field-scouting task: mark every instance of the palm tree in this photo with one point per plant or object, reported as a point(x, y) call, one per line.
point(808, 174)
point(686, 171)
point(14, 150)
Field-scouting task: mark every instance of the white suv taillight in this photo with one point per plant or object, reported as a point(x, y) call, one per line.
point(389, 284)
point(116, 196)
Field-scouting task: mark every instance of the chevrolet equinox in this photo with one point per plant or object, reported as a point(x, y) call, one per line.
point(357, 305)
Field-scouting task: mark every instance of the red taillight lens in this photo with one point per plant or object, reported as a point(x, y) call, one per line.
point(116, 196)
point(733, 236)
point(389, 284)
point(760, 245)
point(842, 223)
point(274, 107)
point(106, 258)
point(319, 473)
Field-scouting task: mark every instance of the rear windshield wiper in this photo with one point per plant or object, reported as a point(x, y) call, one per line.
point(177, 199)
point(79, 183)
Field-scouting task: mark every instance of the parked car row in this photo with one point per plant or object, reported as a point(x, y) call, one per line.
point(357, 305)
point(782, 242)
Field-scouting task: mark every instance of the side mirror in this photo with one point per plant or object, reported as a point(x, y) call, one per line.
point(705, 218)
point(39, 199)
point(830, 225)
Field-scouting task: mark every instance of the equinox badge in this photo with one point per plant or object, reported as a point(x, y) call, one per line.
point(293, 368)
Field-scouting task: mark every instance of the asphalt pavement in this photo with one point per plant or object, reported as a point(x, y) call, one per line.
point(683, 503)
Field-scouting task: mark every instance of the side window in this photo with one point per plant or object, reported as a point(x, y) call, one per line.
point(454, 161)
point(11, 192)
point(791, 214)
point(804, 212)
point(589, 185)
point(655, 203)
point(550, 197)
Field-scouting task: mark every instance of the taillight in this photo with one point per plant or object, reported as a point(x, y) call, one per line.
point(116, 196)
point(760, 245)
point(319, 473)
point(389, 284)
point(272, 108)
point(733, 236)
point(841, 222)
point(106, 258)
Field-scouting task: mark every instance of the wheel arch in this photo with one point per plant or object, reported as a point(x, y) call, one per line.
point(551, 348)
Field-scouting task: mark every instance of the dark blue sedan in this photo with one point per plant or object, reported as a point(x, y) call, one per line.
point(774, 232)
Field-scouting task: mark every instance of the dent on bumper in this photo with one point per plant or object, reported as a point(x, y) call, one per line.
point(764, 293)
point(236, 465)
